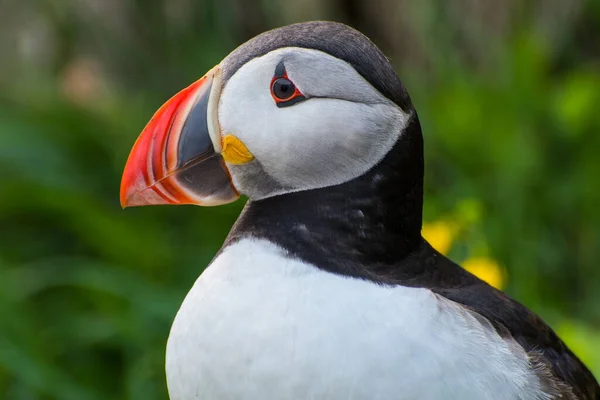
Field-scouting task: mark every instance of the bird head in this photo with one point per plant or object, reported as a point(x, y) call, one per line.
point(302, 107)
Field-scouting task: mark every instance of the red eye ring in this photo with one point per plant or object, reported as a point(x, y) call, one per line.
point(283, 90)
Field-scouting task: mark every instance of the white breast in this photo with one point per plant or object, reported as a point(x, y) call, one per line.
point(259, 325)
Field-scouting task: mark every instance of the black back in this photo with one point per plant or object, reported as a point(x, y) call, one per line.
point(369, 228)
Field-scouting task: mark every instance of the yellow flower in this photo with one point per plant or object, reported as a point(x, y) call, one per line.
point(439, 234)
point(487, 270)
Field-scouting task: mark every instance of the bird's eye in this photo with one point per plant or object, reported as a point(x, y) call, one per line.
point(283, 89)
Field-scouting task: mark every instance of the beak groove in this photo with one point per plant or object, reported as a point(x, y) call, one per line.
point(174, 161)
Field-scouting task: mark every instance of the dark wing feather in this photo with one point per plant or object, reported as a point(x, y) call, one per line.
point(556, 364)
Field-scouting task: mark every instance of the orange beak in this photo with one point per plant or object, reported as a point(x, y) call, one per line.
point(176, 159)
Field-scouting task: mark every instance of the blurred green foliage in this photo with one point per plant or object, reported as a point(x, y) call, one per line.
point(508, 95)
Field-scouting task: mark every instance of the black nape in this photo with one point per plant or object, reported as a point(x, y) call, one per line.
point(361, 228)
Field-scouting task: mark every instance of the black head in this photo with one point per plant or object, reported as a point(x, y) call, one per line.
point(334, 38)
point(311, 122)
point(374, 218)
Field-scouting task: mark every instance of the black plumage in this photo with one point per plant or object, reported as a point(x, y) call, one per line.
point(370, 227)
point(333, 38)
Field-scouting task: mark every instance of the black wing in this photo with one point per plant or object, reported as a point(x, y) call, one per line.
point(555, 362)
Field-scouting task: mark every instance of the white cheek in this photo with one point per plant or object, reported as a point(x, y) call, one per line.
point(245, 100)
point(316, 143)
point(324, 142)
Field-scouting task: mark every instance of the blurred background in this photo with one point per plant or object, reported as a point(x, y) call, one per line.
point(508, 94)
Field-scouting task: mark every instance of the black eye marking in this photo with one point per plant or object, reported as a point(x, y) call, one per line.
point(280, 70)
point(283, 90)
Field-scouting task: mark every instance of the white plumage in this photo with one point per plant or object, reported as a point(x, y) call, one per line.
point(258, 324)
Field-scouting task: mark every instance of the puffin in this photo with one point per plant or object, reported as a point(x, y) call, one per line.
point(325, 287)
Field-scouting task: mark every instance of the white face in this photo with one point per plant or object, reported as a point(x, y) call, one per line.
point(343, 128)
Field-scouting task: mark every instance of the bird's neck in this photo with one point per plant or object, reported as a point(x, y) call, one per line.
point(359, 228)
